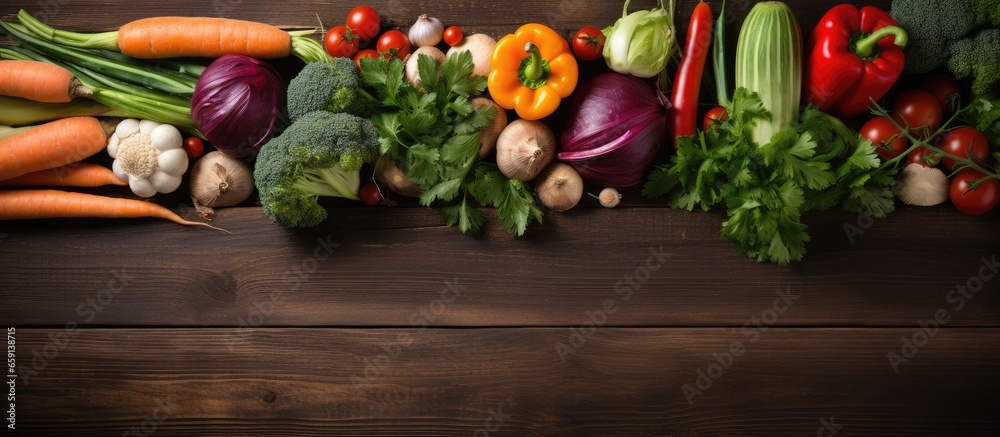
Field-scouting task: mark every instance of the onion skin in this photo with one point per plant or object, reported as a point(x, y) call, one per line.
point(617, 125)
point(239, 104)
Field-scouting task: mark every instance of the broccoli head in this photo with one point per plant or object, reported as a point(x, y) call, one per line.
point(320, 154)
point(979, 58)
point(987, 12)
point(333, 86)
point(932, 26)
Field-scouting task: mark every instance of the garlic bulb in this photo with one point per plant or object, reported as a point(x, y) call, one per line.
point(525, 148)
point(412, 68)
point(219, 180)
point(426, 32)
point(481, 46)
point(559, 187)
point(609, 197)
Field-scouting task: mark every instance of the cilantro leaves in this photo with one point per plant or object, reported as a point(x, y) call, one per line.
point(432, 135)
point(764, 190)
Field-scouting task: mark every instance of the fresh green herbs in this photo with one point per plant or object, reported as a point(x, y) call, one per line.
point(432, 134)
point(816, 165)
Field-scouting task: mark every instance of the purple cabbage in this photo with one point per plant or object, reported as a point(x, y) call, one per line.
point(617, 123)
point(238, 104)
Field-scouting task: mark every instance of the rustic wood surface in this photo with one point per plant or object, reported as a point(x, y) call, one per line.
point(381, 321)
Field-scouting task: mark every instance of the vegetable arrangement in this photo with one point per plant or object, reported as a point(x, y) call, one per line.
point(463, 121)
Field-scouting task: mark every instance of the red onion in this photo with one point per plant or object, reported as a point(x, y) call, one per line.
point(238, 104)
point(617, 124)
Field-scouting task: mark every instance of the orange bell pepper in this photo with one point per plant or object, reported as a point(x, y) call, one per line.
point(533, 70)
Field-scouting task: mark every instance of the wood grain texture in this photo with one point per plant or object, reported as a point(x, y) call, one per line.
point(445, 382)
point(390, 262)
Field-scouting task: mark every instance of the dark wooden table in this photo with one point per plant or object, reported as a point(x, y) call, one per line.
point(635, 321)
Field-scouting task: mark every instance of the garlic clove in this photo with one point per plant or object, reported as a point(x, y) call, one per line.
point(141, 187)
point(173, 162)
point(113, 146)
point(126, 128)
point(921, 186)
point(164, 183)
point(147, 126)
point(166, 137)
point(116, 167)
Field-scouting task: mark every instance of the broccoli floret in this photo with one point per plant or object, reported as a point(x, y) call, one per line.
point(320, 154)
point(932, 26)
point(327, 86)
point(979, 58)
point(987, 12)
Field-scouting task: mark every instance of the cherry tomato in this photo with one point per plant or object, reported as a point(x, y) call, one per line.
point(194, 147)
point(945, 88)
point(366, 53)
point(974, 201)
point(924, 156)
point(453, 36)
point(888, 141)
point(340, 42)
point(964, 142)
point(588, 44)
point(714, 118)
point(919, 110)
point(370, 195)
point(394, 42)
point(364, 22)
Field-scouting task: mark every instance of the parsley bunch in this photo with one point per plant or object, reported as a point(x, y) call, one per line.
point(432, 134)
point(817, 165)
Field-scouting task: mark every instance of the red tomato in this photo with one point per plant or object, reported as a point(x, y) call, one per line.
point(588, 44)
point(340, 42)
point(194, 147)
point(919, 110)
point(370, 194)
point(923, 156)
point(888, 140)
point(964, 142)
point(453, 36)
point(974, 201)
point(364, 22)
point(366, 53)
point(714, 118)
point(945, 88)
point(394, 42)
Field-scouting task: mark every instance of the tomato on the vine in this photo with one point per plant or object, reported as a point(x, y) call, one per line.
point(945, 88)
point(974, 201)
point(364, 22)
point(918, 110)
point(453, 36)
point(194, 147)
point(370, 194)
point(588, 44)
point(714, 118)
point(886, 137)
point(341, 42)
point(964, 142)
point(924, 156)
point(394, 42)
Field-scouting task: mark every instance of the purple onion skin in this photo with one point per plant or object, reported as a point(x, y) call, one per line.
point(617, 124)
point(239, 104)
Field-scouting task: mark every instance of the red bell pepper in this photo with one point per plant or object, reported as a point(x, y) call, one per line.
point(855, 55)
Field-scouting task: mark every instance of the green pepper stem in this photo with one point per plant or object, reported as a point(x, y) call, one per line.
point(865, 47)
point(533, 70)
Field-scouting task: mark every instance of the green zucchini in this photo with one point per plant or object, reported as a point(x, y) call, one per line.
point(769, 63)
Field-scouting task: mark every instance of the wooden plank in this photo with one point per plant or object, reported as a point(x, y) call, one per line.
point(390, 263)
point(447, 382)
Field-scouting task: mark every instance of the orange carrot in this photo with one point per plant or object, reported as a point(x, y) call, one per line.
point(51, 145)
point(39, 204)
point(38, 81)
point(168, 37)
point(78, 174)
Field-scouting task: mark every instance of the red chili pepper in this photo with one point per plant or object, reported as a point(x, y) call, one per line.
point(687, 82)
point(856, 55)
